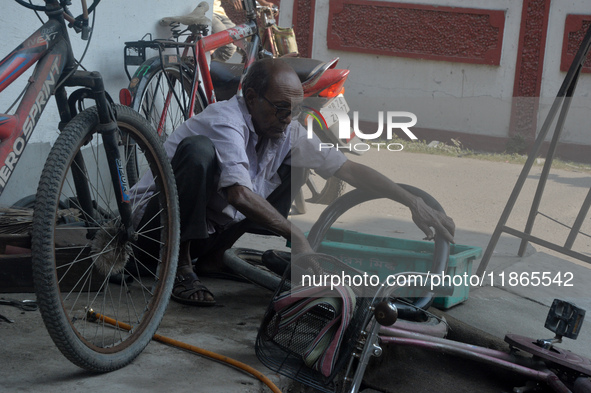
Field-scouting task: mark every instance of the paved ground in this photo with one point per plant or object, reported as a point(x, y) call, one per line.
point(473, 192)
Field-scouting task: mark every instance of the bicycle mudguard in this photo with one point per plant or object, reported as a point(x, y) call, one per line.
point(142, 73)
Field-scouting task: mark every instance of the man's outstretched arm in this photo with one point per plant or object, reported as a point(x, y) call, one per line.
point(364, 177)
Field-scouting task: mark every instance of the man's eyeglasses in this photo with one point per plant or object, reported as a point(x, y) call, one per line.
point(283, 113)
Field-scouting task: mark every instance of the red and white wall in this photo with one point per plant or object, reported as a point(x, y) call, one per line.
point(472, 70)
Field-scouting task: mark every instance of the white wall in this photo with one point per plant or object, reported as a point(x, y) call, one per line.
point(452, 96)
point(116, 23)
point(286, 14)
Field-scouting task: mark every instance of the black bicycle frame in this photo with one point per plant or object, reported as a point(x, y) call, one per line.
point(50, 48)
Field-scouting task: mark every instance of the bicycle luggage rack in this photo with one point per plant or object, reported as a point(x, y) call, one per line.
point(134, 52)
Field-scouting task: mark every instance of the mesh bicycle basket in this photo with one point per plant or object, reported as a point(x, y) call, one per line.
point(312, 338)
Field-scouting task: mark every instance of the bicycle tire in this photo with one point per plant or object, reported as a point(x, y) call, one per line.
point(247, 263)
point(66, 254)
point(149, 95)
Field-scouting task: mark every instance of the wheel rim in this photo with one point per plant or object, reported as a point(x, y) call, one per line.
point(130, 303)
point(85, 251)
point(355, 197)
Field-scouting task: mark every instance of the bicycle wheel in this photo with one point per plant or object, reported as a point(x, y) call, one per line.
point(163, 89)
point(247, 263)
point(79, 251)
point(160, 89)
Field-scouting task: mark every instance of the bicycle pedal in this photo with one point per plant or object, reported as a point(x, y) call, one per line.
point(565, 319)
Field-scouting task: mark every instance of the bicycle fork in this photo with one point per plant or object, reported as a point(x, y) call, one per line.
point(111, 138)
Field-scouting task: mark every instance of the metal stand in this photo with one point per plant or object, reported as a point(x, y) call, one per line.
point(562, 101)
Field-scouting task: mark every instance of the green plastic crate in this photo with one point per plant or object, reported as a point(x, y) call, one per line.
point(384, 256)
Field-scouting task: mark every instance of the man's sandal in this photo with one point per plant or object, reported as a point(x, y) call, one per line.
point(185, 286)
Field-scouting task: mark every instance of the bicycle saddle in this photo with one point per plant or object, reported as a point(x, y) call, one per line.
point(226, 76)
point(195, 17)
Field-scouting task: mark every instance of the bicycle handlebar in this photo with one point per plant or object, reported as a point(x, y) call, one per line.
point(60, 3)
point(80, 23)
point(32, 6)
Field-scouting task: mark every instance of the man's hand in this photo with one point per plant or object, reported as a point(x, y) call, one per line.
point(299, 243)
point(237, 4)
point(426, 218)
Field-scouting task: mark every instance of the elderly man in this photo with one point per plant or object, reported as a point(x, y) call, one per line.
point(233, 161)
